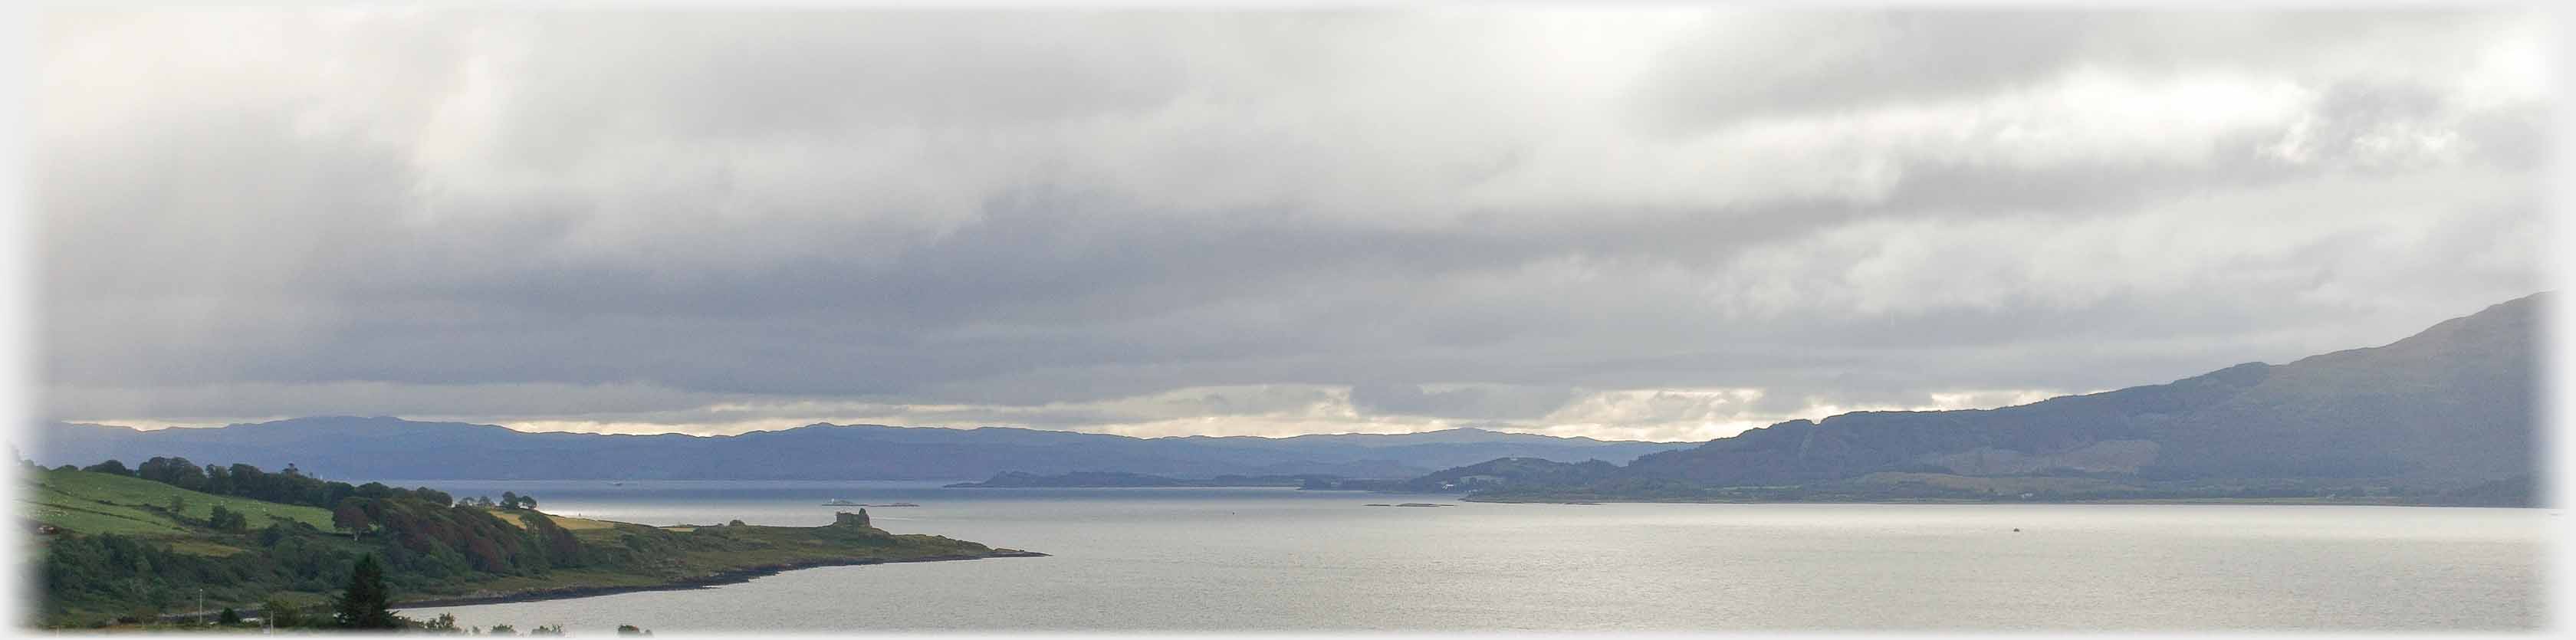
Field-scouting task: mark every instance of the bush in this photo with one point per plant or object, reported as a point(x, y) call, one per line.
point(228, 520)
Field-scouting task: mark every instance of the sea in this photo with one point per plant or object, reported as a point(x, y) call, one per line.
point(1279, 559)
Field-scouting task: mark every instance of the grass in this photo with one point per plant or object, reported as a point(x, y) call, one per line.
point(82, 516)
point(203, 548)
point(85, 502)
point(567, 522)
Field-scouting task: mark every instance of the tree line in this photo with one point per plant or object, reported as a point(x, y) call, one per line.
point(288, 486)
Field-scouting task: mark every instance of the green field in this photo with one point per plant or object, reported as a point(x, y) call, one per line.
point(83, 502)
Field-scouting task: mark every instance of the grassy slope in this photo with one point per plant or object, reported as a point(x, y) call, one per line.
point(81, 502)
point(570, 523)
point(84, 502)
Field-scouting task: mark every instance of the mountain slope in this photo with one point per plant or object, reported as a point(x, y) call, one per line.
point(395, 448)
point(2450, 407)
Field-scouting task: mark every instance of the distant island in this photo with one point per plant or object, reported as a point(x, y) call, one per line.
point(1110, 479)
point(2444, 417)
point(123, 545)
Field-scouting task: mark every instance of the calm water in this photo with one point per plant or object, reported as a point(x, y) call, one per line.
point(1280, 559)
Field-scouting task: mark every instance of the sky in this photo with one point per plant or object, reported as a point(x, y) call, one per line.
point(1650, 223)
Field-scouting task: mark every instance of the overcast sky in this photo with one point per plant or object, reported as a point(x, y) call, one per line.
point(1668, 225)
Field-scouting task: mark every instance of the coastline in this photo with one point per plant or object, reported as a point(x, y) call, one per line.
point(729, 576)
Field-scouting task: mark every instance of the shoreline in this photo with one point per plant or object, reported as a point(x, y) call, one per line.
point(729, 576)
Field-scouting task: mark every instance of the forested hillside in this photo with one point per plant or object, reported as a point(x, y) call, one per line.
point(121, 544)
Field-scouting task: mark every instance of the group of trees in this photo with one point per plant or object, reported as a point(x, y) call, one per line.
point(443, 540)
point(395, 540)
point(228, 520)
point(289, 486)
point(109, 576)
point(509, 500)
point(366, 603)
point(417, 538)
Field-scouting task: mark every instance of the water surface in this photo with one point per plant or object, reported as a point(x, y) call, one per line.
point(1281, 559)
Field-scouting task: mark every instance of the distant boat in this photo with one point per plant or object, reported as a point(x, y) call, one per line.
point(837, 502)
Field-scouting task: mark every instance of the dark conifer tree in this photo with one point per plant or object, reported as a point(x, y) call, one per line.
point(366, 604)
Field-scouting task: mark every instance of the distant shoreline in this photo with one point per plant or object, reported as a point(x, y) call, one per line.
point(730, 576)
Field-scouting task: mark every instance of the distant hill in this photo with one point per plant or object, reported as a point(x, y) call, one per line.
point(394, 448)
point(1093, 479)
point(2450, 409)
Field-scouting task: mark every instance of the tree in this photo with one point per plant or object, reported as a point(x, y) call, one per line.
point(219, 481)
point(281, 615)
point(228, 520)
point(433, 496)
point(503, 630)
point(178, 505)
point(228, 618)
point(512, 500)
point(547, 630)
point(110, 466)
point(366, 603)
point(173, 471)
point(632, 630)
point(351, 515)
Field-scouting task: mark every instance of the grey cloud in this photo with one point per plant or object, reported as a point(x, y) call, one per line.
point(1769, 65)
point(1033, 219)
point(1477, 402)
point(219, 403)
